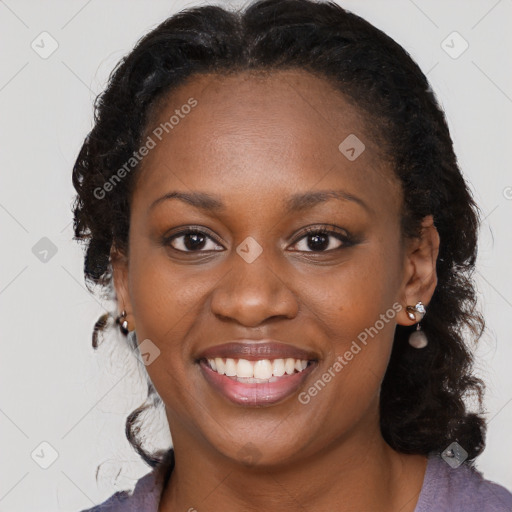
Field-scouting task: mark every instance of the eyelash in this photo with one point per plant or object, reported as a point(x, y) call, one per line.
point(346, 239)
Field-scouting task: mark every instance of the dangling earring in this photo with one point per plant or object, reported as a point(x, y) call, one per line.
point(122, 322)
point(417, 338)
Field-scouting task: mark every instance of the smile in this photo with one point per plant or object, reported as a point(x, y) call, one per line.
point(271, 381)
point(257, 372)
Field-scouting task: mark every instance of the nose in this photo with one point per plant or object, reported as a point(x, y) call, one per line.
point(252, 293)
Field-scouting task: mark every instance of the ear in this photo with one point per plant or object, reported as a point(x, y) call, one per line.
point(119, 262)
point(420, 277)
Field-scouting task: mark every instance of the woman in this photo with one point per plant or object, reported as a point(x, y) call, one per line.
point(273, 199)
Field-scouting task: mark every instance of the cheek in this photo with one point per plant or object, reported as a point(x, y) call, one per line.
point(356, 309)
point(166, 303)
point(353, 296)
point(165, 297)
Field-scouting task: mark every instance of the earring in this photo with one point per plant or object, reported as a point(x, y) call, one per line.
point(417, 338)
point(122, 322)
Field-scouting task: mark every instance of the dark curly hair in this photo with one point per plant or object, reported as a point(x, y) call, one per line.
point(424, 395)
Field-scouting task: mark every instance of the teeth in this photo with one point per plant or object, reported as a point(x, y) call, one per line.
point(252, 371)
point(244, 368)
point(263, 369)
point(278, 367)
point(230, 369)
point(289, 366)
point(220, 365)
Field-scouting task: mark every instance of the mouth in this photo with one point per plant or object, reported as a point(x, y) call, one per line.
point(251, 379)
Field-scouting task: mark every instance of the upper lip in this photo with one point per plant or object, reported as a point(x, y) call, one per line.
point(253, 350)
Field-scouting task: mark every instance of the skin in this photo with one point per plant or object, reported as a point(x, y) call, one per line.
point(253, 141)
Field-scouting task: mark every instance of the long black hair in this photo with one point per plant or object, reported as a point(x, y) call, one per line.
point(423, 395)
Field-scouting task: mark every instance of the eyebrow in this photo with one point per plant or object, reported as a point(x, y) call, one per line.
point(200, 200)
point(295, 203)
point(309, 199)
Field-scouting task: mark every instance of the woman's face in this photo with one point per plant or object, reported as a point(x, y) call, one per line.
point(253, 162)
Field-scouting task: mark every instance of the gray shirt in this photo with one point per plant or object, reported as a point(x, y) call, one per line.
point(445, 489)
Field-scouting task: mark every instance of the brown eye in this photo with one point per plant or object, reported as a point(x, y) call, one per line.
point(192, 241)
point(322, 240)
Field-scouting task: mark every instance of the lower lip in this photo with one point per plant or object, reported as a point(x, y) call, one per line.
point(256, 395)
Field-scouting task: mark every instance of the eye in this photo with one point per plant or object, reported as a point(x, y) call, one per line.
point(322, 240)
point(313, 239)
point(192, 240)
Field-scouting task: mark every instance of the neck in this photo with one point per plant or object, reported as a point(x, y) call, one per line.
point(356, 473)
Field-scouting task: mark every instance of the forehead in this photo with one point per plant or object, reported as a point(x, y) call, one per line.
point(287, 130)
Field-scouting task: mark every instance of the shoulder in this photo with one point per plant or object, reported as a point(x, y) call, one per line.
point(461, 489)
point(142, 498)
point(145, 497)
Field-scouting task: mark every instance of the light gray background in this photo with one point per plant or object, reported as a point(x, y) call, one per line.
point(55, 389)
